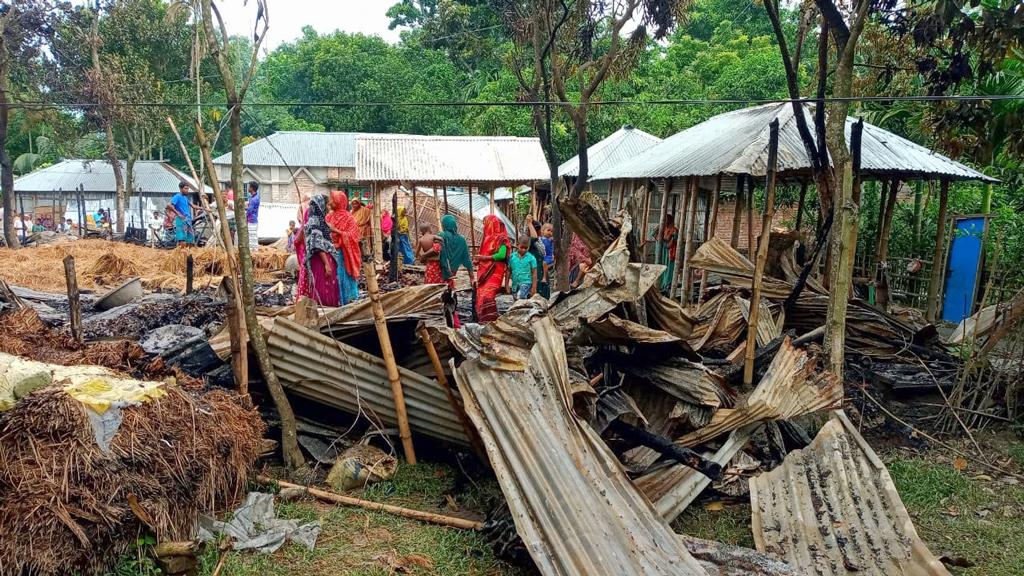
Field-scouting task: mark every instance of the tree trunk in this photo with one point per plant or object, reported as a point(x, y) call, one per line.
point(129, 183)
point(938, 261)
point(885, 229)
point(801, 204)
point(6, 174)
point(115, 164)
point(842, 259)
point(289, 439)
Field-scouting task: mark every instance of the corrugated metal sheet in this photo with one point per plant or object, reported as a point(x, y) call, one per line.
point(789, 388)
point(572, 503)
point(737, 143)
point(625, 143)
point(453, 159)
point(422, 302)
point(317, 367)
point(294, 149)
point(97, 176)
point(831, 509)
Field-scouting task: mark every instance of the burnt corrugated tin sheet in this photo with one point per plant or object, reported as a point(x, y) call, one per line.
point(831, 509)
point(149, 176)
point(625, 143)
point(737, 143)
point(294, 149)
point(421, 302)
point(789, 388)
point(572, 504)
point(452, 159)
point(317, 367)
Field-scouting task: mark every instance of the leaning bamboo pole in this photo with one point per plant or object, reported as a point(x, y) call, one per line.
point(691, 224)
point(388, 354)
point(762, 253)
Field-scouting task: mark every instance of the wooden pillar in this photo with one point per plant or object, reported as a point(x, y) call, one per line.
point(533, 202)
point(415, 227)
point(800, 205)
point(762, 253)
point(681, 240)
point(659, 245)
point(737, 214)
point(751, 248)
point(445, 201)
point(710, 233)
point(645, 239)
point(691, 228)
point(189, 273)
point(472, 228)
point(74, 303)
point(376, 240)
point(938, 257)
point(622, 195)
point(885, 226)
point(493, 207)
point(389, 362)
point(437, 208)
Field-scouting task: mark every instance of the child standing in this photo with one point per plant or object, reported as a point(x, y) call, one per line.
point(523, 270)
point(547, 239)
point(428, 250)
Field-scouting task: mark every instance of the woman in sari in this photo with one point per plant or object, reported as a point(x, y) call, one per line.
point(404, 246)
point(345, 235)
point(492, 262)
point(454, 255)
point(320, 276)
point(301, 288)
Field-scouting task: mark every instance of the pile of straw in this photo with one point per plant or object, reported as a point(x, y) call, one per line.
point(67, 507)
point(102, 264)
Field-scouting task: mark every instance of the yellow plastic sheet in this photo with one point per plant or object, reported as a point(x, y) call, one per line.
point(100, 393)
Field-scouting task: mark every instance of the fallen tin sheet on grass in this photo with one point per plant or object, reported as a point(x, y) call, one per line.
point(831, 509)
point(317, 367)
point(790, 388)
point(571, 502)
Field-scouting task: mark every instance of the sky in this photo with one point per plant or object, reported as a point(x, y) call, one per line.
point(288, 17)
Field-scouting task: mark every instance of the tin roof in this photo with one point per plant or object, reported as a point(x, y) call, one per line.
point(449, 159)
point(737, 143)
point(624, 144)
point(294, 149)
point(150, 176)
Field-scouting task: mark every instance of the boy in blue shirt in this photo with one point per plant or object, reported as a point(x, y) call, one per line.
point(523, 270)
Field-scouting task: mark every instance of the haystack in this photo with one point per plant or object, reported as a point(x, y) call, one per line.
point(69, 505)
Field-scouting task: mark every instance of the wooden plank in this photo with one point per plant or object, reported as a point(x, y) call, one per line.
point(762, 252)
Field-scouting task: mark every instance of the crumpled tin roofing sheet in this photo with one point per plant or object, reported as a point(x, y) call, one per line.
point(317, 367)
point(831, 509)
point(449, 159)
point(572, 504)
point(737, 143)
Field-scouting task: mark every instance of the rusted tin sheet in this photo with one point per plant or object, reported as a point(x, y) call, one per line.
point(317, 367)
point(790, 387)
point(831, 509)
point(572, 504)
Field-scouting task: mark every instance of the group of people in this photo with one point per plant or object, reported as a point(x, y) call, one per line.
point(328, 244)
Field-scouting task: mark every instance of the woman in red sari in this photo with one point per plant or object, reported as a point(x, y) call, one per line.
point(492, 268)
point(345, 234)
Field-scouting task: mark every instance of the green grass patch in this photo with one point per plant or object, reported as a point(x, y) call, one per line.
point(730, 525)
point(982, 522)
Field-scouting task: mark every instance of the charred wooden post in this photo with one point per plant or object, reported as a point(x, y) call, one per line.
point(762, 253)
point(800, 204)
point(388, 354)
point(709, 233)
point(74, 302)
point(691, 229)
point(938, 260)
point(189, 273)
point(445, 205)
point(667, 448)
point(737, 214)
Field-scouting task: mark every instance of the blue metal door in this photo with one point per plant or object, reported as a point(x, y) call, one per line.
point(962, 274)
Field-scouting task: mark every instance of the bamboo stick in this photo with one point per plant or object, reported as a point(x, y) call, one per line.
point(440, 519)
point(442, 381)
point(376, 238)
point(74, 302)
point(737, 214)
point(437, 209)
point(751, 244)
point(710, 233)
point(445, 190)
point(938, 262)
point(691, 221)
point(644, 238)
point(388, 355)
point(762, 252)
point(681, 239)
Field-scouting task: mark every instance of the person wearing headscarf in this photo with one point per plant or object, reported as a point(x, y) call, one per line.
point(362, 215)
point(404, 246)
point(301, 287)
point(345, 236)
point(579, 260)
point(387, 223)
point(454, 254)
point(492, 263)
point(668, 234)
point(321, 278)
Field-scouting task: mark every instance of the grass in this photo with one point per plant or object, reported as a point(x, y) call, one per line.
point(357, 542)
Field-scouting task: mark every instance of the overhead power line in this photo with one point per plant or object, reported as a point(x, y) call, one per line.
point(515, 103)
